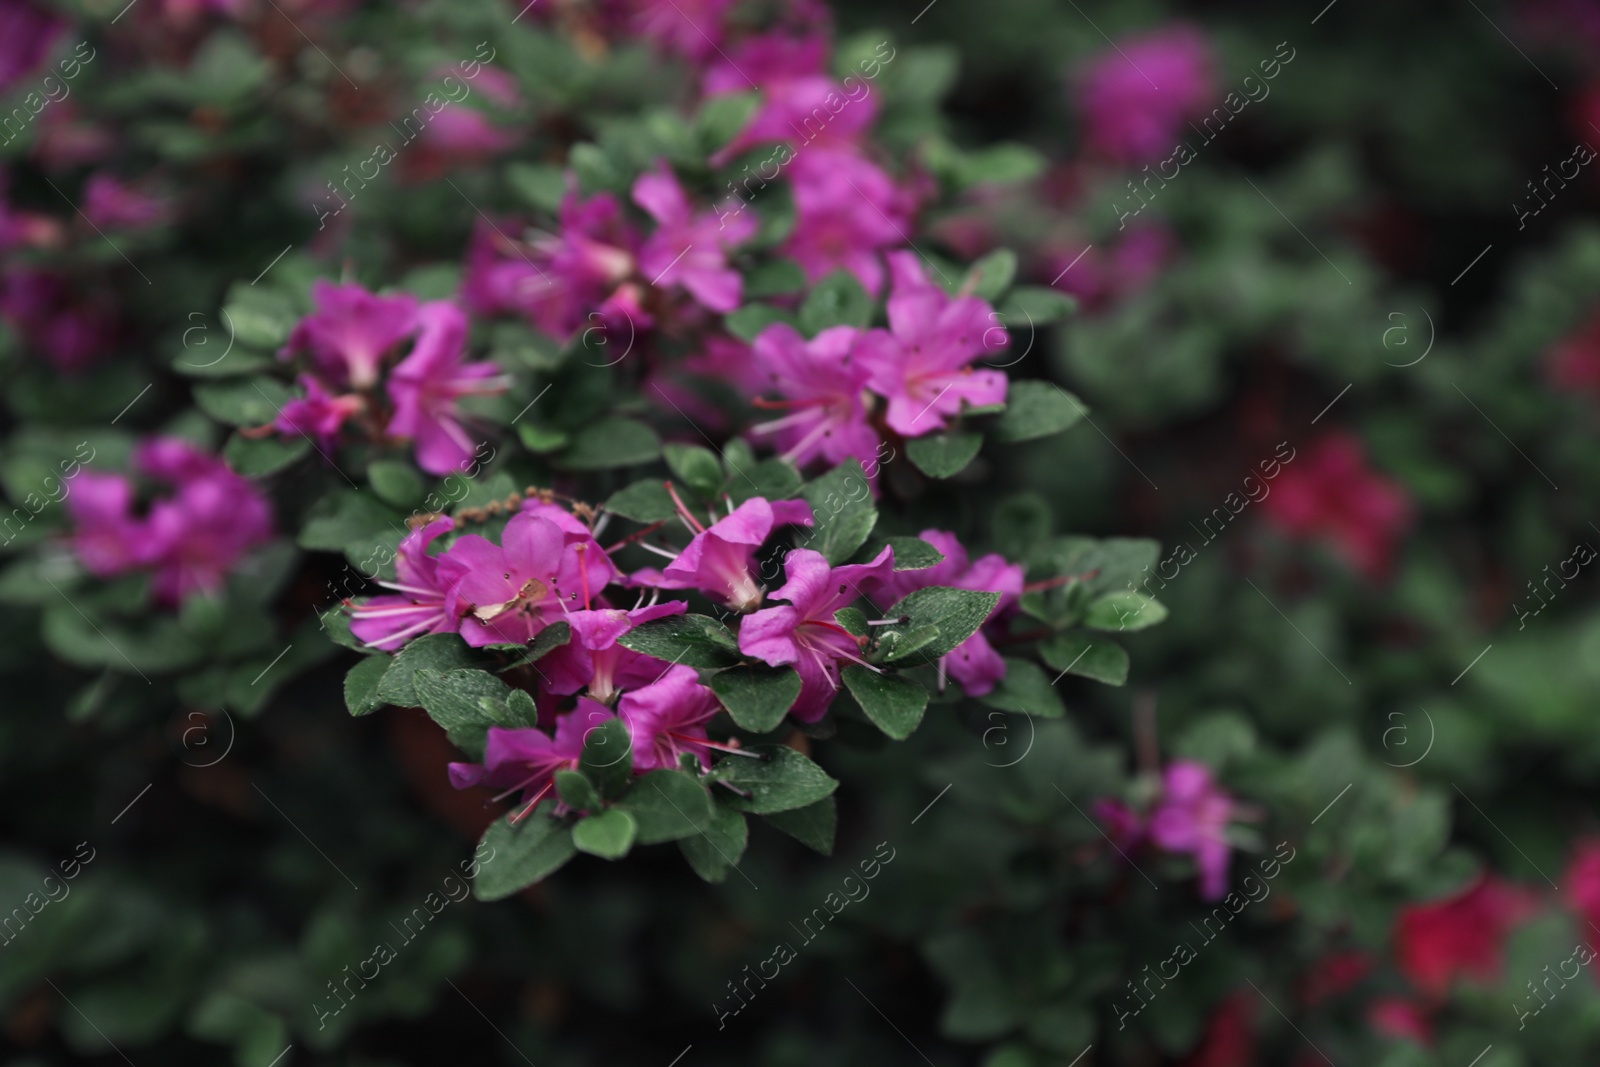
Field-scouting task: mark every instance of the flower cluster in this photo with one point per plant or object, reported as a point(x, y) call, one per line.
point(351, 339)
point(549, 568)
point(839, 387)
point(188, 539)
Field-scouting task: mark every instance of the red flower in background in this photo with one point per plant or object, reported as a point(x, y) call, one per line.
point(1573, 363)
point(1334, 496)
point(1461, 937)
point(1334, 974)
point(1229, 1040)
point(1583, 883)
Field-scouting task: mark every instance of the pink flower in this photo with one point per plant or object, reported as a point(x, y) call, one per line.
point(112, 204)
point(823, 383)
point(427, 384)
point(595, 660)
point(1400, 1017)
point(426, 603)
point(667, 717)
point(352, 332)
point(189, 539)
point(1136, 98)
point(1123, 270)
point(974, 663)
point(510, 591)
point(693, 29)
point(719, 560)
point(921, 365)
point(1192, 816)
point(1333, 496)
point(456, 138)
point(558, 280)
point(69, 326)
point(319, 414)
point(526, 759)
point(689, 250)
point(801, 102)
point(803, 633)
point(27, 33)
point(846, 210)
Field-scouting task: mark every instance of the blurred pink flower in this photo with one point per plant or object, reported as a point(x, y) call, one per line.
point(1192, 816)
point(428, 383)
point(802, 103)
point(111, 204)
point(189, 539)
point(27, 33)
point(846, 210)
point(687, 249)
point(1136, 98)
point(352, 332)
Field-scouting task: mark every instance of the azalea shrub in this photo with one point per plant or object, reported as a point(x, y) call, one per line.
point(756, 532)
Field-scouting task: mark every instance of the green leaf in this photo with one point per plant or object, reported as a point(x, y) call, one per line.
point(395, 482)
point(521, 710)
point(941, 455)
point(900, 644)
point(361, 685)
point(542, 185)
point(577, 792)
point(542, 440)
point(894, 704)
point(257, 316)
point(697, 467)
point(812, 825)
point(779, 277)
point(465, 702)
point(645, 501)
point(837, 300)
point(612, 443)
point(694, 640)
point(746, 323)
point(992, 275)
point(1027, 690)
point(955, 613)
point(1124, 611)
point(544, 642)
point(608, 834)
point(1038, 305)
point(910, 553)
point(1099, 658)
point(521, 855)
point(722, 117)
point(251, 402)
point(667, 805)
point(436, 652)
point(773, 479)
point(351, 522)
point(757, 697)
point(783, 781)
point(1036, 409)
point(717, 848)
point(256, 457)
point(607, 758)
point(841, 501)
